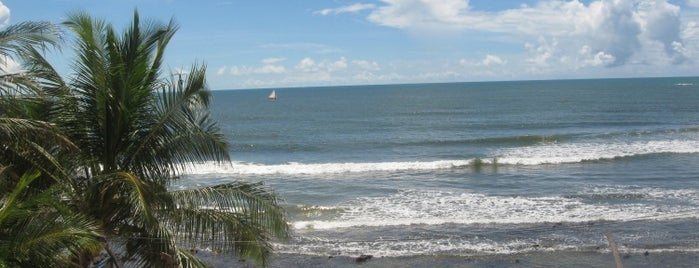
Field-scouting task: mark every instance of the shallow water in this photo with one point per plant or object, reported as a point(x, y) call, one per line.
point(471, 172)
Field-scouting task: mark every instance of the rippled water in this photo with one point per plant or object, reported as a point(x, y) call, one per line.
point(472, 169)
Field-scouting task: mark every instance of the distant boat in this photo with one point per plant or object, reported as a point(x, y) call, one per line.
point(273, 95)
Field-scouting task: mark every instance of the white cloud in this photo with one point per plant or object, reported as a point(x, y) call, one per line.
point(269, 66)
point(549, 40)
point(306, 65)
point(338, 65)
point(600, 59)
point(9, 66)
point(421, 13)
point(690, 31)
point(309, 65)
point(661, 22)
point(366, 65)
point(270, 69)
point(4, 14)
point(354, 8)
point(542, 52)
point(492, 60)
point(278, 71)
point(221, 70)
point(615, 31)
point(240, 70)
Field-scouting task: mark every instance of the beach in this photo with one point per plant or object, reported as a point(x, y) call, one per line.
point(490, 174)
point(535, 259)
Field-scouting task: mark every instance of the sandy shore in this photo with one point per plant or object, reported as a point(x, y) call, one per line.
point(533, 259)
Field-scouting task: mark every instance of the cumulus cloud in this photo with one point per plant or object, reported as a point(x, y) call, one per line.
point(309, 65)
point(269, 66)
point(346, 9)
point(4, 14)
point(542, 52)
point(613, 31)
point(366, 65)
point(661, 23)
point(422, 13)
point(278, 71)
point(492, 60)
point(270, 69)
point(221, 70)
point(596, 59)
point(306, 64)
point(9, 66)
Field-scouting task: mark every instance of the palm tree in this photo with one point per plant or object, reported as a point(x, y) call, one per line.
point(23, 107)
point(36, 228)
point(136, 132)
point(19, 42)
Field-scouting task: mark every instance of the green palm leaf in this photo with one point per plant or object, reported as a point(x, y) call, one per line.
point(236, 217)
point(19, 42)
point(36, 230)
point(136, 133)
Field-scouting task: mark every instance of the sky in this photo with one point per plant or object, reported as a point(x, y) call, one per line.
point(299, 43)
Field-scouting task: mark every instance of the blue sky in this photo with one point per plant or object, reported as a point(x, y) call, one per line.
point(269, 44)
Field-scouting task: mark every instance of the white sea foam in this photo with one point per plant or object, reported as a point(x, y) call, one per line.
point(578, 152)
point(437, 207)
point(324, 168)
point(530, 155)
point(392, 248)
point(406, 209)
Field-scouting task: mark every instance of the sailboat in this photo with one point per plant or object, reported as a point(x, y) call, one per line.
point(272, 96)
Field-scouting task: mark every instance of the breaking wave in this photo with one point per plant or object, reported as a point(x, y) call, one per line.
point(541, 154)
point(412, 207)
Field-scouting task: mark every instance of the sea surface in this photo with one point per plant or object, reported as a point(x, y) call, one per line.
point(483, 172)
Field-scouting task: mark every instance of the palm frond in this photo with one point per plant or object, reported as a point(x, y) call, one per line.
point(56, 238)
point(134, 140)
point(12, 129)
point(19, 43)
point(17, 37)
point(35, 231)
point(31, 144)
point(187, 260)
point(238, 217)
point(8, 202)
point(183, 132)
point(122, 198)
point(41, 75)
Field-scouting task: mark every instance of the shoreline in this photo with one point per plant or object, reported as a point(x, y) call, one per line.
point(529, 259)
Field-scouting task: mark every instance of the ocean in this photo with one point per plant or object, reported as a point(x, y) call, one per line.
point(525, 173)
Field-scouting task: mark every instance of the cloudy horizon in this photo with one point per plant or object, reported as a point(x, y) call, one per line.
point(312, 43)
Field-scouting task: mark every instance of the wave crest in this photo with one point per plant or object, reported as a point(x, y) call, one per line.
point(542, 154)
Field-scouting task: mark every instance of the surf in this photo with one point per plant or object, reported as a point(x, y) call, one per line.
point(540, 154)
point(421, 207)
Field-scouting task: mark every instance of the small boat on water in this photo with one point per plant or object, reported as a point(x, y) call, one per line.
point(272, 96)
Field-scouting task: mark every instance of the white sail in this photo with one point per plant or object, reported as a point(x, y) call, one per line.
point(273, 95)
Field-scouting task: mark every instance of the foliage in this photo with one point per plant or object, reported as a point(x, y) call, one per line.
point(136, 132)
point(38, 231)
point(101, 150)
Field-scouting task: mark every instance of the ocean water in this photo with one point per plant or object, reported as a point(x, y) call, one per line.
point(466, 170)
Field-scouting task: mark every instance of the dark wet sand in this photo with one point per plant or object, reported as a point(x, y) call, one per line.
point(533, 259)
